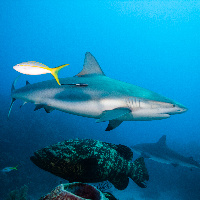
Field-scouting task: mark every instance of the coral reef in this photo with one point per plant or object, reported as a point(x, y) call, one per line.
point(103, 186)
point(18, 194)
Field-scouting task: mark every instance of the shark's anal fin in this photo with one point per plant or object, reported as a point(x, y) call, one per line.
point(114, 114)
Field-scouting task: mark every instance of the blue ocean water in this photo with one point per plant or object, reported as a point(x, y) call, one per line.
point(152, 44)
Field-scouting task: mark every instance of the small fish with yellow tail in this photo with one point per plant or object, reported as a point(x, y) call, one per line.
point(36, 68)
point(8, 169)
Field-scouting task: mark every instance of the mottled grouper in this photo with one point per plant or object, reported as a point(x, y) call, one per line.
point(89, 161)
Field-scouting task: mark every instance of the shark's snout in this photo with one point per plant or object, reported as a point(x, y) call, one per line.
point(181, 108)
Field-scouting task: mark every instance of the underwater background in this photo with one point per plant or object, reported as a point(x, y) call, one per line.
point(152, 44)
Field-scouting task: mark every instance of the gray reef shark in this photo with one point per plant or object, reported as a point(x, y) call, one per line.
point(92, 94)
point(160, 152)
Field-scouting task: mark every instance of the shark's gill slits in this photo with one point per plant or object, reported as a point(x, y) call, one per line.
point(133, 102)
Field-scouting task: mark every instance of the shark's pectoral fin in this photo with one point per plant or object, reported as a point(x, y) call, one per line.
point(48, 109)
point(114, 114)
point(113, 124)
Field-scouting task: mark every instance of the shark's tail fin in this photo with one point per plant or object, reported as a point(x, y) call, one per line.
point(12, 99)
point(54, 71)
point(139, 173)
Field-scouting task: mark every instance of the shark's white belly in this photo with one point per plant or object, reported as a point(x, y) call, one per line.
point(161, 160)
point(90, 108)
point(141, 110)
point(95, 108)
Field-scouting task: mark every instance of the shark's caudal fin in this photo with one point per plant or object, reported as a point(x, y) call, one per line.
point(54, 72)
point(13, 99)
point(11, 105)
point(139, 173)
point(162, 141)
point(90, 66)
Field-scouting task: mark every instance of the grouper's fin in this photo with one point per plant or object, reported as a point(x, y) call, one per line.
point(138, 172)
point(12, 99)
point(114, 114)
point(90, 66)
point(123, 150)
point(120, 181)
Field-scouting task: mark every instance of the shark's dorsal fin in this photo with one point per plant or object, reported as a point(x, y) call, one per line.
point(162, 141)
point(90, 66)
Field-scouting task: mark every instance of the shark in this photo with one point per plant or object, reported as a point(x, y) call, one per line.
point(160, 152)
point(92, 94)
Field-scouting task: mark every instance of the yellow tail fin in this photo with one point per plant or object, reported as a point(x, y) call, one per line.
point(54, 71)
point(15, 167)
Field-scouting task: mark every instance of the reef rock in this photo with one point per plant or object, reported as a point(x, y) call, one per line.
point(75, 191)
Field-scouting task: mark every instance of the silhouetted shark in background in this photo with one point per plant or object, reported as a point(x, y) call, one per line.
point(160, 152)
point(92, 94)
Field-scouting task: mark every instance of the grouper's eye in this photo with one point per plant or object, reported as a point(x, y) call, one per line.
point(174, 105)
